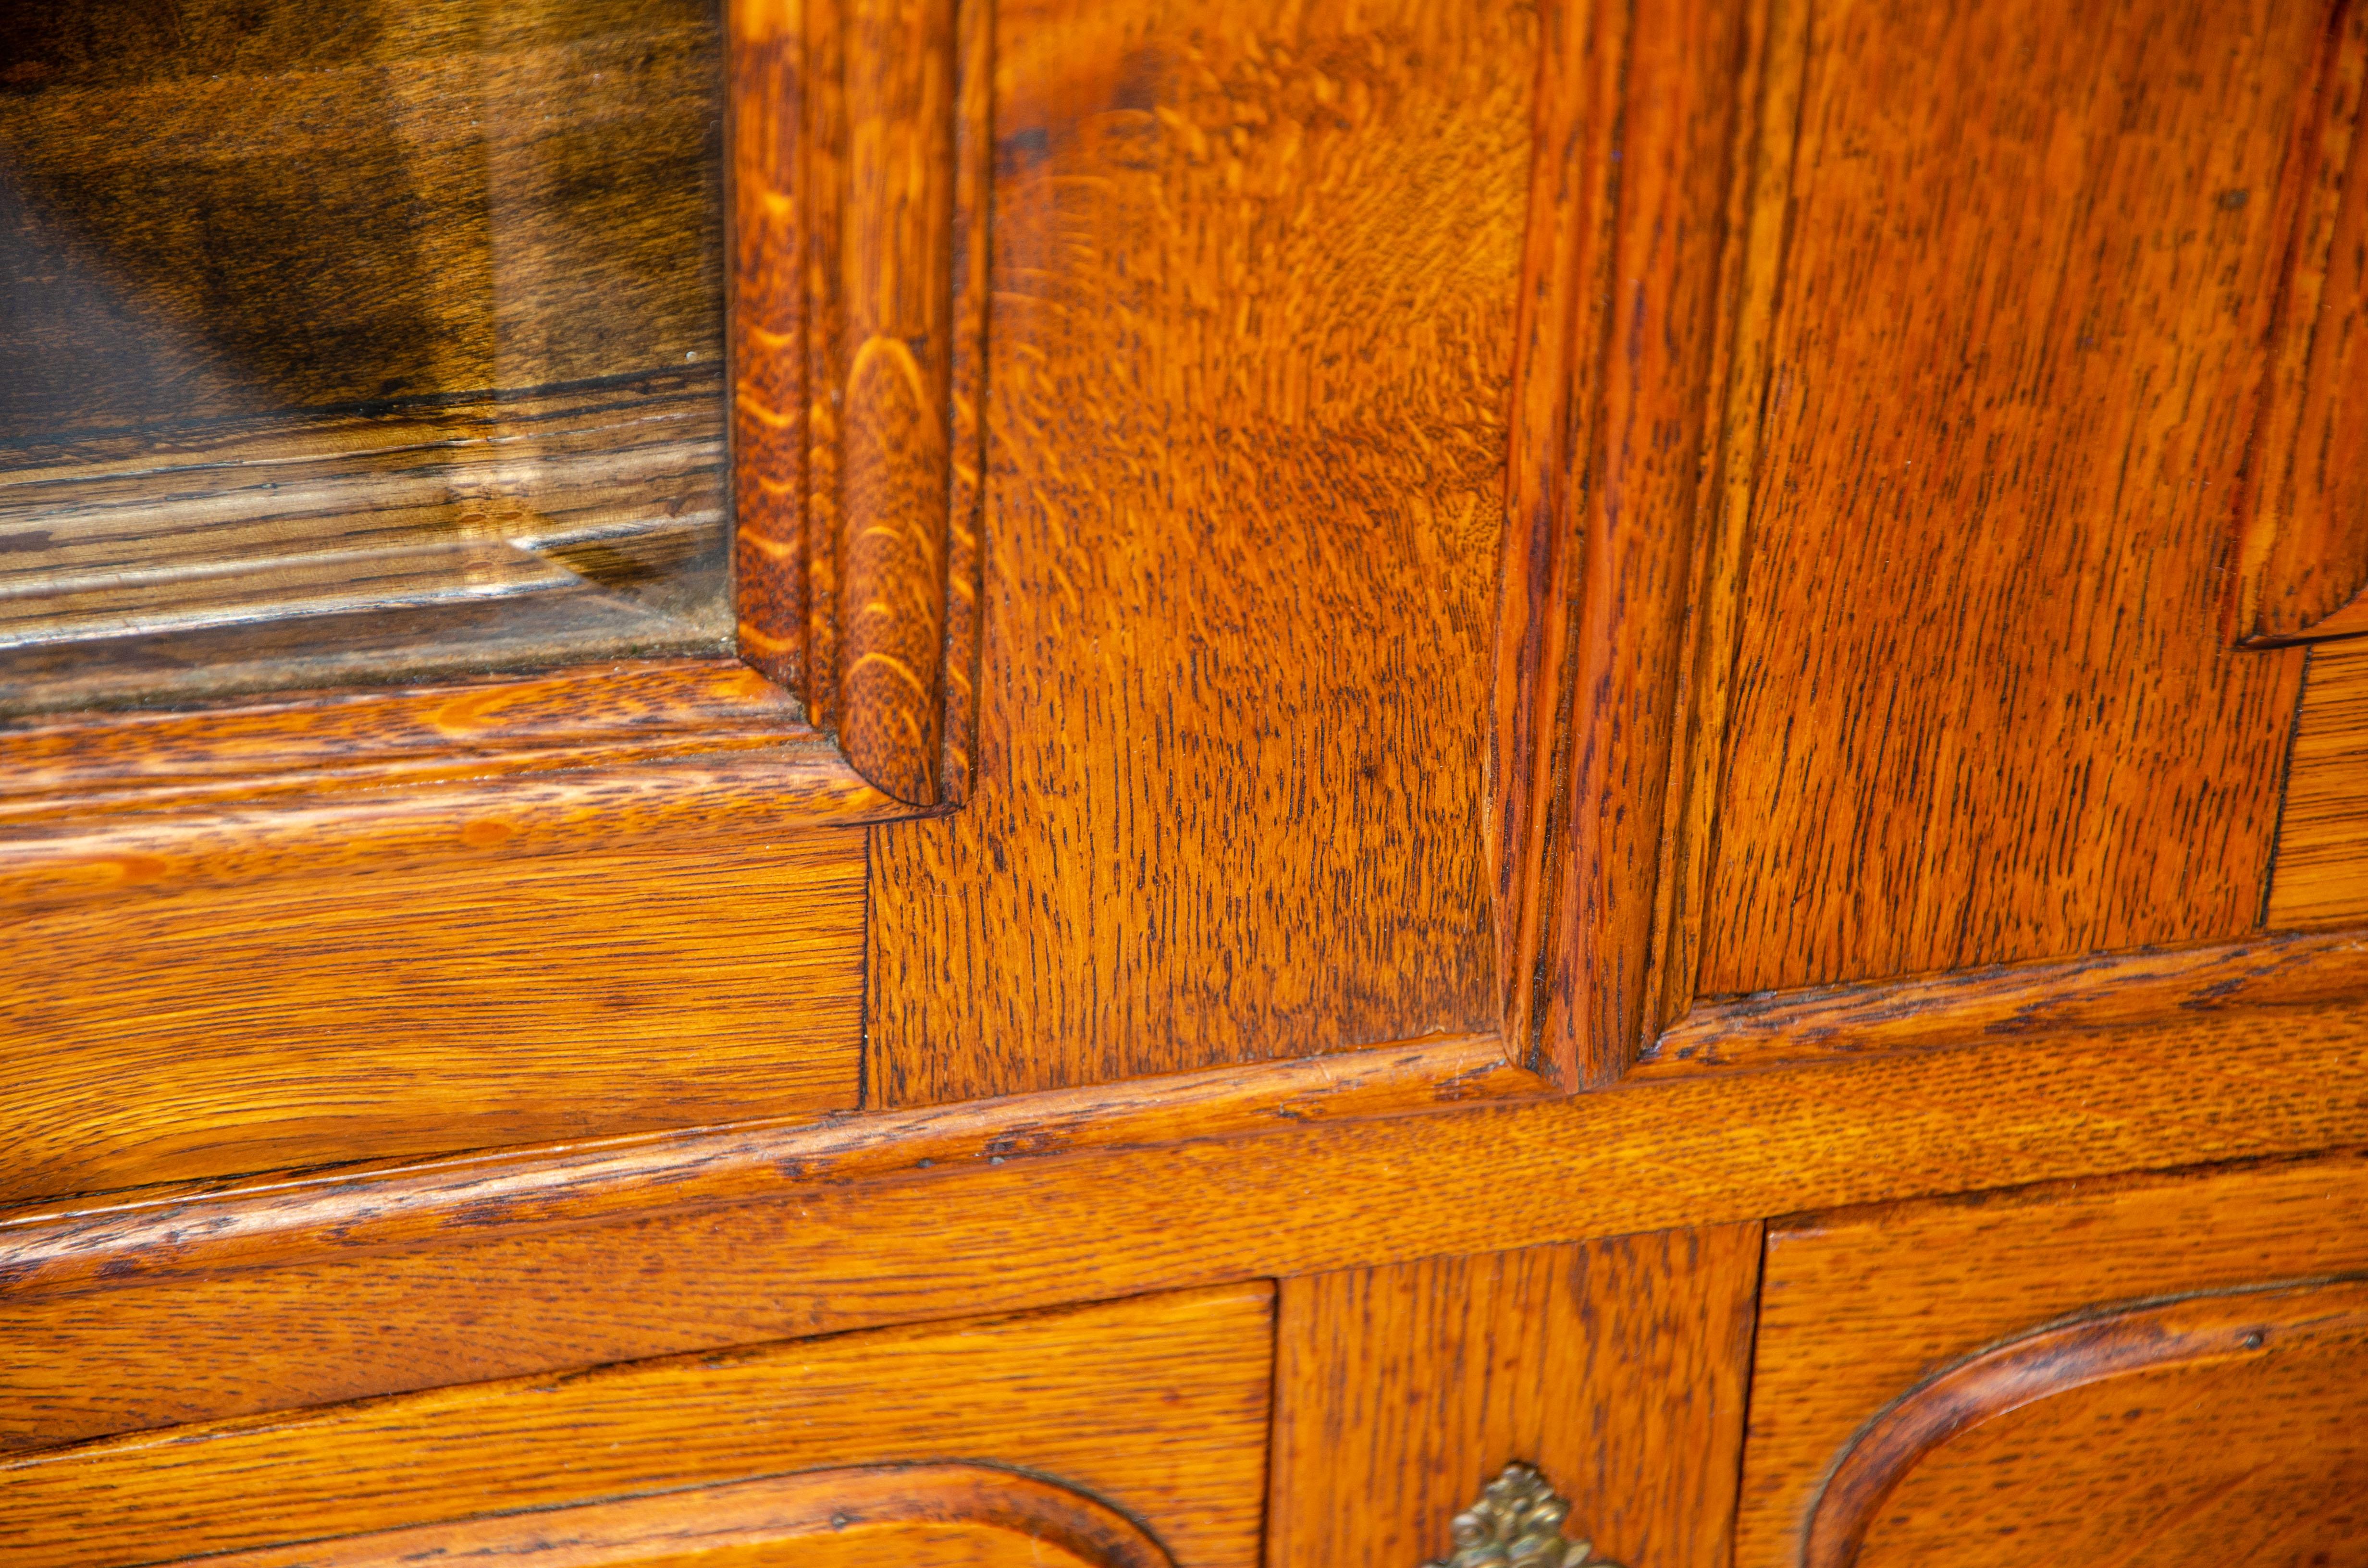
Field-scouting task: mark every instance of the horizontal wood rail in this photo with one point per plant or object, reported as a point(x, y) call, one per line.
point(2151, 987)
point(212, 1226)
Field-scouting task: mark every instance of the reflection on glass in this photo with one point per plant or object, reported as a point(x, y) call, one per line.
point(356, 341)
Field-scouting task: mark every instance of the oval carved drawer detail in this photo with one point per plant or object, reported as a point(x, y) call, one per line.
point(2229, 1424)
point(929, 1516)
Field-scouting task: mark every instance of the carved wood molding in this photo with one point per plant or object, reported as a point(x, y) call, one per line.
point(962, 1515)
point(1656, 229)
point(2192, 1332)
point(2153, 986)
point(2303, 535)
point(859, 253)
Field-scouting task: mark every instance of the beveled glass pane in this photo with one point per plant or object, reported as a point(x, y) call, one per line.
point(350, 343)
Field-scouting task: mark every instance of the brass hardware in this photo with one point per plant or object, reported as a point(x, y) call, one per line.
point(1517, 1524)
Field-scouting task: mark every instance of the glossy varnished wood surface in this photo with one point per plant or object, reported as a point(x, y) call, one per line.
point(1617, 1368)
point(2303, 560)
point(165, 1034)
point(860, 198)
point(1857, 1308)
point(2322, 867)
point(1158, 1406)
point(2226, 1425)
point(322, 1323)
point(2175, 988)
point(929, 1515)
point(1636, 136)
point(1254, 277)
point(196, 1229)
point(1983, 709)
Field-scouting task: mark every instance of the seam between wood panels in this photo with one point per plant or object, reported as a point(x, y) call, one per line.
point(2285, 789)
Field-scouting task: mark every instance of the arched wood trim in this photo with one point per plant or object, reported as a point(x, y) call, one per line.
point(2192, 1332)
point(898, 1509)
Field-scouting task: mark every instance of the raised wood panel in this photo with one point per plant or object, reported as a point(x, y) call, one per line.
point(1254, 281)
point(1857, 1308)
point(341, 1308)
point(2322, 867)
point(2232, 1428)
point(393, 1009)
point(926, 1515)
point(1157, 1406)
point(1617, 1368)
point(1981, 711)
point(2303, 562)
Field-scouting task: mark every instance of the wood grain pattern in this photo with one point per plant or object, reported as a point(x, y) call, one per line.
point(172, 1033)
point(2303, 542)
point(859, 200)
point(2321, 877)
point(321, 744)
point(2269, 1456)
point(1254, 279)
point(1617, 1367)
point(1857, 1308)
point(1603, 502)
point(1157, 1406)
point(930, 1516)
point(2108, 989)
point(1980, 712)
point(481, 1303)
point(198, 1230)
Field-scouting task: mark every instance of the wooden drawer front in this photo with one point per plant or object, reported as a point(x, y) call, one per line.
point(2153, 1366)
point(1156, 1407)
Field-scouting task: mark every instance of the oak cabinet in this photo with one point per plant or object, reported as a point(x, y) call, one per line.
point(1148, 781)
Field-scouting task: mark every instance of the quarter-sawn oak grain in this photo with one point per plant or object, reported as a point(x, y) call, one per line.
point(1719, 1149)
point(1983, 711)
point(1252, 284)
point(1858, 1307)
point(1158, 1405)
point(2321, 877)
point(1617, 1368)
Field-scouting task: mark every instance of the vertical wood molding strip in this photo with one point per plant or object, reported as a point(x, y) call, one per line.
point(2303, 544)
point(1643, 116)
point(858, 307)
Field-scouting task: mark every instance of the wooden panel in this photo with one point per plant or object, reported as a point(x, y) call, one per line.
point(339, 1314)
point(1617, 1367)
point(2228, 1424)
point(1158, 1406)
point(929, 1516)
point(1254, 280)
point(2322, 868)
point(1638, 110)
point(2109, 990)
point(860, 208)
point(2302, 563)
point(395, 1009)
point(1981, 711)
point(1857, 1307)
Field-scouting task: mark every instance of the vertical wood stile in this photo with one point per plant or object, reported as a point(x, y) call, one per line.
point(768, 105)
point(1637, 134)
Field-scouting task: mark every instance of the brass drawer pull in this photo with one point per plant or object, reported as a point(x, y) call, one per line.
point(1518, 1523)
